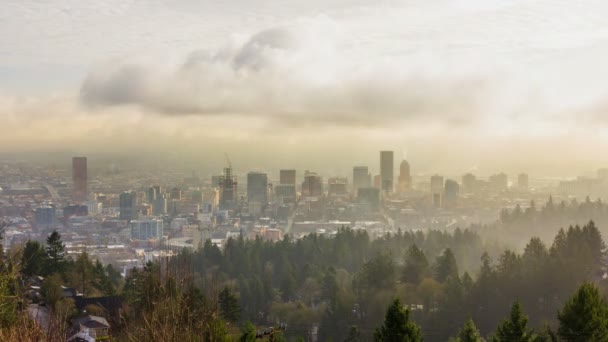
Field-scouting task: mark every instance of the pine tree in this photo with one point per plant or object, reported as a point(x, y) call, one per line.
point(546, 335)
point(397, 326)
point(469, 333)
point(584, 317)
point(445, 266)
point(33, 259)
point(230, 309)
point(416, 265)
point(55, 251)
point(515, 327)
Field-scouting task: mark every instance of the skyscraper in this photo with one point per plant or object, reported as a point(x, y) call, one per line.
point(437, 190)
point(452, 190)
point(128, 205)
point(405, 179)
point(79, 178)
point(312, 185)
point(469, 182)
point(337, 186)
point(361, 178)
point(522, 181)
point(499, 182)
point(386, 171)
point(228, 190)
point(257, 187)
point(287, 177)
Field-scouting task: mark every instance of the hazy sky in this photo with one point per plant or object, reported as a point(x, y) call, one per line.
point(454, 85)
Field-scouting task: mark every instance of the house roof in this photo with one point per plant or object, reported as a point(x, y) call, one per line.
point(93, 322)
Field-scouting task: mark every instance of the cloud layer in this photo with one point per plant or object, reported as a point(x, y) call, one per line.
point(288, 74)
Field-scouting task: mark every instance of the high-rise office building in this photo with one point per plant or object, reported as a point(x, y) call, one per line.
point(147, 229)
point(452, 190)
point(386, 171)
point(128, 205)
point(312, 185)
point(287, 177)
point(257, 187)
point(405, 178)
point(215, 181)
point(337, 186)
point(151, 194)
point(436, 184)
point(286, 192)
point(437, 190)
point(361, 178)
point(79, 178)
point(522, 181)
point(469, 183)
point(175, 194)
point(159, 206)
point(228, 190)
point(499, 182)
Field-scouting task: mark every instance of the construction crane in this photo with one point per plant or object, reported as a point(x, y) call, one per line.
point(228, 160)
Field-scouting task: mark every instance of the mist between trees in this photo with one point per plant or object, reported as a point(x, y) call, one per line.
point(337, 288)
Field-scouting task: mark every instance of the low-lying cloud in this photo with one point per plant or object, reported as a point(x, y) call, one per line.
point(296, 74)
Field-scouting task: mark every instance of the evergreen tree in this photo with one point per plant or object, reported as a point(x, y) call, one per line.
point(469, 333)
point(445, 266)
point(353, 334)
point(546, 335)
point(584, 317)
point(230, 310)
point(515, 327)
point(416, 265)
point(55, 251)
point(33, 259)
point(397, 326)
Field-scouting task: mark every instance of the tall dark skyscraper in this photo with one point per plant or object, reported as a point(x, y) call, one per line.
point(312, 185)
point(128, 205)
point(257, 187)
point(386, 171)
point(79, 178)
point(361, 178)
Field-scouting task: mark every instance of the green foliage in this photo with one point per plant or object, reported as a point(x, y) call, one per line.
point(546, 335)
point(416, 265)
point(33, 259)
point(55, 251)
point(584, 317)
point(51, 289)
point(469, 333)
point(8, 299)
point(445, 266)
point(248, 333)
point(397, 326)
point(515, 327)
point(230, 309)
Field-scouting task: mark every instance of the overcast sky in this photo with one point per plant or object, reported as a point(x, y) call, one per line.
point(452, 85)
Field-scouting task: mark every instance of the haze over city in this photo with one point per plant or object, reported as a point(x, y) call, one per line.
point(310, 83)
point(290, 171)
